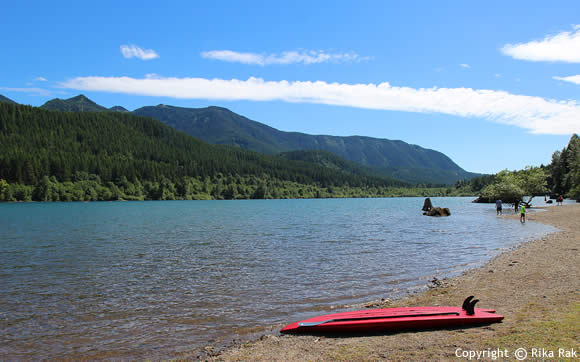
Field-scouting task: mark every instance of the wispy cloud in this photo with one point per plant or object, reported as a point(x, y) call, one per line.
point(536, 114)
point(30, 90)
point(40, 79)
point(133, 51)
point(463, 65)
point(288, 57)
point(572, 79)
point(562, 47)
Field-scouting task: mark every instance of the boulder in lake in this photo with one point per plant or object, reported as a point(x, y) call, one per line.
point(438, 211)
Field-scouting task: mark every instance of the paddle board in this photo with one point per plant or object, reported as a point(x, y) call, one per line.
point(393, 319)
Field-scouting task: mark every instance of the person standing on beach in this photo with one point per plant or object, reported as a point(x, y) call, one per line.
point(498, 207)
point(559, 200)
point(523, 213)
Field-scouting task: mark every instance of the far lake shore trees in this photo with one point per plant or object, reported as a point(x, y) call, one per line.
point(189, 188)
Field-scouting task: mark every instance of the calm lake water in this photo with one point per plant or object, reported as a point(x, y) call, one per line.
point(152, 279)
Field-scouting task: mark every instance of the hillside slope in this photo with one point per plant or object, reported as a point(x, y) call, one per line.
point(392, 158)
point(6, 99)
point(35, 143)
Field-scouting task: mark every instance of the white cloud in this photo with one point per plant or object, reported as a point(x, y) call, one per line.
point(31, 90)
point(463, 65)
point(562, 47)
point(234, 57)
point(536, 114)
point(289, 57)
point(572, 79)
point(133, 51)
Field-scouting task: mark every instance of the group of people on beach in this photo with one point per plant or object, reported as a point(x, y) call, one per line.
point(520, 205)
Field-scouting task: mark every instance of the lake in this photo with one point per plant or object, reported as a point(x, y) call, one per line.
point(152, 279)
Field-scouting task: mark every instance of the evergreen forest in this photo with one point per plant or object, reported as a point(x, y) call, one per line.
point(72, 156)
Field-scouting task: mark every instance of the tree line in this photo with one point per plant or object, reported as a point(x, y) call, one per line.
point(90, 187)
point(564, 176)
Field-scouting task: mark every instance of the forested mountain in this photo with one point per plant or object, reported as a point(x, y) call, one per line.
point(330, 160)
point(392, 158)
point(42, 148)
point(415, 176)
point(5, 99)
point(79, 103)
point(217, 125)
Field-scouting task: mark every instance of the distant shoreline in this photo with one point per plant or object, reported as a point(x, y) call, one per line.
point(345, 193)
point(541, 274)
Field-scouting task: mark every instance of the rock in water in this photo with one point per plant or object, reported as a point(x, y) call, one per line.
point(438, 211)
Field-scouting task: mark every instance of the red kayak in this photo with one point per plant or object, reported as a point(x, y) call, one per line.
point(393, 319)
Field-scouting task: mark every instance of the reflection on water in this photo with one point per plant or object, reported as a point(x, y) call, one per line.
point(151, 279)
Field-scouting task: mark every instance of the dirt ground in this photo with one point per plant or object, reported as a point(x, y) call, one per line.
point(536, 286)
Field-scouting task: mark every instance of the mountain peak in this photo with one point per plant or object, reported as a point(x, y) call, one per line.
point(79, 97)
point(119, 109)
point(78, 103)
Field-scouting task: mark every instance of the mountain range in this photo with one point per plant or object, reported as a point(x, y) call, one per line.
point(79, 103)
point(217, 125)
point(390, 158)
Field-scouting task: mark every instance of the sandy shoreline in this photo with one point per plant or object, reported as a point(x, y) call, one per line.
point(536, 286)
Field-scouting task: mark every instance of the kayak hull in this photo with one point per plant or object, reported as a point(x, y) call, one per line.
point(393, 319)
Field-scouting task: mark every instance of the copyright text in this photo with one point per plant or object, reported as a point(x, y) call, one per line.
point(519, 354)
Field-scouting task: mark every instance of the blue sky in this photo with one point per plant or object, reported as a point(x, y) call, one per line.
point(493, 85)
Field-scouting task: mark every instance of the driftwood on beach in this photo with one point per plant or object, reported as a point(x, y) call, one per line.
point(427, 205)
